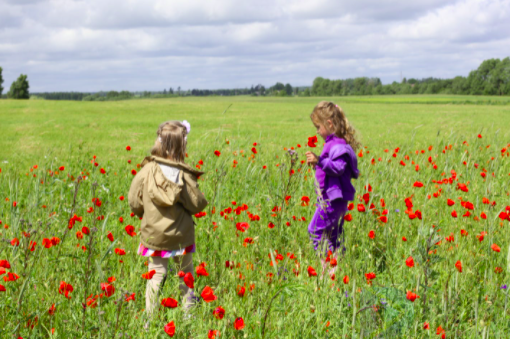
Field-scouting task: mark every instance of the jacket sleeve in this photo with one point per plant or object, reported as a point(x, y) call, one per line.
point(334, 163)
point(135, 195)
point(191, 197)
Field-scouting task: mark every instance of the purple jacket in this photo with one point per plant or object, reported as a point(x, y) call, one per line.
point(336, 166)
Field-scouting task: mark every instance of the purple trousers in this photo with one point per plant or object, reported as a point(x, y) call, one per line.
point(327, 225)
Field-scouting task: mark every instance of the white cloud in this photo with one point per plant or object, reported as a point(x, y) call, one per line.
point(155, 44)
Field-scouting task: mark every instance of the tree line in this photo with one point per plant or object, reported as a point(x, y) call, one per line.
point(492, 77)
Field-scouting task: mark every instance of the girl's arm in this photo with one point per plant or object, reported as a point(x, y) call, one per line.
point(136, 193)
point(191, 197)
point(334, 164)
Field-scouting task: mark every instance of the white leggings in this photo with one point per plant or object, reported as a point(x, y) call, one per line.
point(160, 265)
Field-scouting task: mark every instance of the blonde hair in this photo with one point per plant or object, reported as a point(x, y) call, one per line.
point(325, 111)
point(171, 141)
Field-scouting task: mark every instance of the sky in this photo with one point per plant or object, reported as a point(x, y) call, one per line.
point(136, 45)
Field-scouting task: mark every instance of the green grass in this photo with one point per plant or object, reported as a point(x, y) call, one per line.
point(50, 134)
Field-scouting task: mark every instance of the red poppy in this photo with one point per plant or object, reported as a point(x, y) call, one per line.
point(454, 214)
point(170, 329)
point(211, 334)
point(188, 280)
point(130, 230)
point(371, 234)
point(361, 208)
point(458, 266)
point(61, 168)
point(241, 290)
point(270, 225)
point(333, 262)
point(426, 326)
point(15, 242)
point(110, 236)
point(169, 302)
point(5, 264)
point(463, 232)
point(312, 141)
point(128, 148)
point(149, 275)
point(217, 153)
point(120, 251)
point(346, 279)
point(65, 289)
point(503, 215)
point(11, 277)
point(130, 297)
point(383, 218)
point(483, 215)
point(411, 296)
point(239, 323)
point(108, 289)
point(242, 226)
point(450, 202)
point(219, 312)
point(418, 184)
point(305, 200)
point(51, 311)
point(495, 248)
point(311, 272)
point(410, 262)
point(348, 217)
point(254, 150)
point(208, 294)
point(200, 269)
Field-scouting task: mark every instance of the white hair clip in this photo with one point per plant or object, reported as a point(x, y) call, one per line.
point(188, 128)
point(159, 139)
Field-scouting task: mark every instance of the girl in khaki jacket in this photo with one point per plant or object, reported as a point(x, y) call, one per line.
point(165, 193)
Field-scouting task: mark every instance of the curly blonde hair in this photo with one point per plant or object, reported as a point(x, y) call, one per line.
point(325, 111)
point(171, 141)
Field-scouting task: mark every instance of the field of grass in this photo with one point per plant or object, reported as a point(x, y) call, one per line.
point(447, 228)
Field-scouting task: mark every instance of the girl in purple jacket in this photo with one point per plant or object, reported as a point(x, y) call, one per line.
point(334, 169)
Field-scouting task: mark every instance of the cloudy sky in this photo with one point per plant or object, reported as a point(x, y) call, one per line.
point(92, 45)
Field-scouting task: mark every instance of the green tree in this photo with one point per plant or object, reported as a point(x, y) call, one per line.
point(1, 82)
point(19, 88)
point(288, 89)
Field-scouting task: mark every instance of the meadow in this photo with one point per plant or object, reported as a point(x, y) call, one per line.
point(428, 251)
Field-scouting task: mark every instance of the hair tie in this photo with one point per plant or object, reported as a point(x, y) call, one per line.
point(188, 128)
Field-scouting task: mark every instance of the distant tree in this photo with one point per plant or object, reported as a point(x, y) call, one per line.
point(179, 90)
point(171, 91)
point(288, 89)
point(164, 91)
point(19, 88)
point(1, 82)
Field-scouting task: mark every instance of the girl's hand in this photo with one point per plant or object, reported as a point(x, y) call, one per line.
point(311, 158)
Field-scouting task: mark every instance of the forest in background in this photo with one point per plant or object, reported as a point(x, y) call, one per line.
point(492, 77)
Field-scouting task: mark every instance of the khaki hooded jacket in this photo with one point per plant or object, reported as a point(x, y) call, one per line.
point(166, 207)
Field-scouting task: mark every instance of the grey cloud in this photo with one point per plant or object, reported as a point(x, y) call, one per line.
point(154, 44)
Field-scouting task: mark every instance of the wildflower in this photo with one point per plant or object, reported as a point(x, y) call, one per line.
point(110, 236)
point(410, 262)
point(208, 294)
point(170, 329)
point(371, 234)
point(130, 230)
point(239, 323)
point(458, 266)
point(149, 275)
point(108, 289)
point(311, 272)
point(411, 296)
point(169, 302)
point(219, 312)
point(495, 248)
point(128, 148)
point(65, 289)
point(217, 153)
point(312, 141)
point(188, 280)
